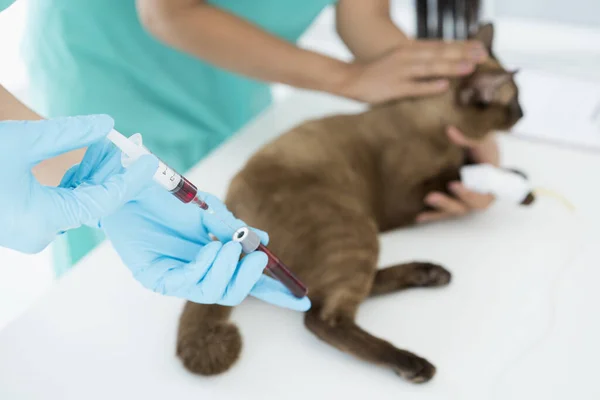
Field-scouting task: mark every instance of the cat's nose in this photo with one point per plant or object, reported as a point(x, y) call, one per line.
point(519, 112)
point(515, 110)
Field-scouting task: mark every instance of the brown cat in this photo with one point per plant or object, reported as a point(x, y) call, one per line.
point(326, 189)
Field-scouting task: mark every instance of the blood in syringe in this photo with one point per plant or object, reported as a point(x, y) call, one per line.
point(186, 192)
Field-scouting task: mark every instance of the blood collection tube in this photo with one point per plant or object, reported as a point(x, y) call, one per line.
point(250, 242)
point(186, 192)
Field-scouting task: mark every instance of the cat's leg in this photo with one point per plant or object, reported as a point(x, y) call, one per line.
point(409, 275)
point(207, 343)
point(344, 263)
point(333, 322)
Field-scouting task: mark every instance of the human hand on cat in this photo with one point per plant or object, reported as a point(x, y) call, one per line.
point(464, 200)
point(417, 68)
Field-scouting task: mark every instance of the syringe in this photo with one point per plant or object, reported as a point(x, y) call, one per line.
point(186, 192)
point(165, 176)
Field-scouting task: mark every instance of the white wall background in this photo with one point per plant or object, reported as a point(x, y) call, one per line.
point(577, 12)
point(12, 21)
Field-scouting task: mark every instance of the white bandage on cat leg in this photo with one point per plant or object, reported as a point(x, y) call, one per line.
point(503, 184)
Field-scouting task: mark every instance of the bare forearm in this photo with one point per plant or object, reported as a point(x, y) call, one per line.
point(379, 40)
point(366, 27)
point(234, 44)
point(12, 109)
point(48, 172)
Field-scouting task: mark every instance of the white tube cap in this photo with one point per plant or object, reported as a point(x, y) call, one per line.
point(247, 238)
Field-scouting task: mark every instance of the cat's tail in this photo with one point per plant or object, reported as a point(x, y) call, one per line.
point(207, 343)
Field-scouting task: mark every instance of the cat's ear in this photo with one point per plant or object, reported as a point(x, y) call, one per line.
point(482, 87)
point(485, 34)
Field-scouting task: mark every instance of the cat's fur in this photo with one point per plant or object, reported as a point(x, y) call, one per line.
point(326, 189)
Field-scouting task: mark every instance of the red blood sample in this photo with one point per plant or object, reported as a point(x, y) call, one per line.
point(279, 271)
point(202, 204)
point(185, 191)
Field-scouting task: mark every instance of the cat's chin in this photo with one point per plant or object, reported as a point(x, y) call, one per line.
point(507, 130)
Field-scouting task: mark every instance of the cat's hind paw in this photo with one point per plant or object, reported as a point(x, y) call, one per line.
point(210, 349)
point(429, 275)
point(417, 370)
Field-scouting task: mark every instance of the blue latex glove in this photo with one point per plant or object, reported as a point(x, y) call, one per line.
point(166, 244)
point(31, 215)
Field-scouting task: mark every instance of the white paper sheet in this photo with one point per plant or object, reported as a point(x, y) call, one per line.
point(559, 109)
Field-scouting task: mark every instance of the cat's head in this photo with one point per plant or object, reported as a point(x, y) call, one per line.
point(488, 99)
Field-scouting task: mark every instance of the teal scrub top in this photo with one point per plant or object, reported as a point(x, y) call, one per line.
point(4, 4)
point(94, 56)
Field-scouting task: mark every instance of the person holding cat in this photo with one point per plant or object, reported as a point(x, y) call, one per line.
point(187, 74)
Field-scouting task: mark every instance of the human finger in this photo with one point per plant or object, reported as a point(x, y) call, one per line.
point(85, 203)
point(216, 280)
point(421, 69)
point(473, 51)
point(50, 138)
point(248, 272)
point(444, 203)
point(486, 151)
point(473, 200)
point(222, 223)
point(101, 160)
point(432, 216)
point(172, 277)
point(458, 138)
point(425, 88)
point(271, 291)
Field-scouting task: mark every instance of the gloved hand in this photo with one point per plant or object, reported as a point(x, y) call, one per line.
point(31, 215)
point(166, 244)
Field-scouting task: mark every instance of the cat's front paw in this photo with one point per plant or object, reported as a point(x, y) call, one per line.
point(416, 370)
point(429, 275)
